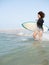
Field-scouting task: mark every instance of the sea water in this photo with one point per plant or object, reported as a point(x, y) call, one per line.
point(23, 50)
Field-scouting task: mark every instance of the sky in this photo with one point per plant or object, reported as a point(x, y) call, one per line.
point(14, 12)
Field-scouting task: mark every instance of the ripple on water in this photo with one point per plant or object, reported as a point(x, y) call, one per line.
point(21, 50)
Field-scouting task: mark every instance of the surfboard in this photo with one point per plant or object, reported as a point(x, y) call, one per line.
point(32, 26)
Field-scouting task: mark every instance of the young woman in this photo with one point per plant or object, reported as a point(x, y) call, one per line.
point(40, 22)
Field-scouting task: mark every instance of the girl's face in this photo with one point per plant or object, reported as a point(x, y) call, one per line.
point(39, 16)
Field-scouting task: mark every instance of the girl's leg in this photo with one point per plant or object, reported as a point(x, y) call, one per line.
point(40, 34)
point(35, 34)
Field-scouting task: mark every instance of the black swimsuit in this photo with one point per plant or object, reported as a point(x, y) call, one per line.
point(40, 23)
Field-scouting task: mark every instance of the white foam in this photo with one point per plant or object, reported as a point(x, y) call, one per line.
point(24, 39)
point(21, 33)
point(45, 37)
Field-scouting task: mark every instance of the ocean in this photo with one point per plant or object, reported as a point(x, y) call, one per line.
point(20, 49)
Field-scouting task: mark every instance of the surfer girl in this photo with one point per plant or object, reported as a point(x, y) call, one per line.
point(40, 22)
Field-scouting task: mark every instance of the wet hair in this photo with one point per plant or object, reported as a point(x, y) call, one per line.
point(42, 14)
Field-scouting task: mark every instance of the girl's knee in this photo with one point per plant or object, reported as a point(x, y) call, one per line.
point(40, 33)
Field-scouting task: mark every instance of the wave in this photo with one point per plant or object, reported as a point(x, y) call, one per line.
point(45, 36)
point(23, 32)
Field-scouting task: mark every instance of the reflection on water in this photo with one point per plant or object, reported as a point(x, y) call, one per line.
point(42, 52)
point(15, 50)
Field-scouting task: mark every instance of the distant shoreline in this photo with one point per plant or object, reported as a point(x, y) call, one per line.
point(11, 30)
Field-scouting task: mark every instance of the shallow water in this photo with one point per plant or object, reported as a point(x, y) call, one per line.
point(23, 50)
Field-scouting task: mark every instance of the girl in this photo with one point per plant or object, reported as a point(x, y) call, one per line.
point(40, 22)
